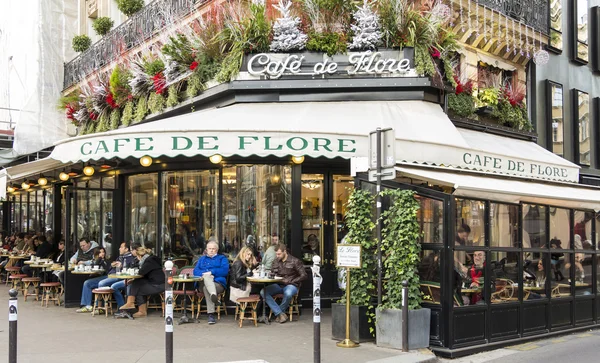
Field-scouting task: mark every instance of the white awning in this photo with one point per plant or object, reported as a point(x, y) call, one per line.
point(509, 190)
point(330, 129)
point(487, 59)
point(39, 166)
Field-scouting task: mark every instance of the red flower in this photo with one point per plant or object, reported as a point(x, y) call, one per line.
point(129, 97)
point(111, 101)
point(434, 52)
point(194, 65)
point(459, 89)
point(93, 116)
point(466, 87)
point(159, 83)
point(70, 110)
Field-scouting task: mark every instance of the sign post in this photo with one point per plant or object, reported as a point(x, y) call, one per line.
point(316, 268)
point(348, 256)
point(382, 158)
point(169, 311)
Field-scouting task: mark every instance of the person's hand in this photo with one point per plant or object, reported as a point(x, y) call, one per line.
point(80, 263)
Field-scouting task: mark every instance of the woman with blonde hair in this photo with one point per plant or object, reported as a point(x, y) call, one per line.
point(152, 282)
point(240, 269)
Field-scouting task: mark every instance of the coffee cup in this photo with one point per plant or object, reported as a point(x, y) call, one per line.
point(181, 276)
point(96, 268)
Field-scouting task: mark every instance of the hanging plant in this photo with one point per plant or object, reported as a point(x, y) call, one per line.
point(81, 43)
point(156, 103)
point(173, 95)
point(115, 118)
point(401, 247)
point(128, 113)
point(130, 7)
point(103, 123)
point(461, 102)
point(142, 109)
point(119, 84)
point(103, 25)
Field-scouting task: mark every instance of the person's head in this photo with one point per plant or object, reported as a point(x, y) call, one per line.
point(134, 247)
point(250, 241)
point(21, 235)
point(123, 248)
point(100, 253)
point(274, 239)
point(142, 251)
point(246, 256)
point(36, 241)
point(212, 248)
point(281, 252)
point(85, 245)
point(478, 258)
point(42, 239)
point(540, 265)
point(464, 231)
point(61, 245)
point(313, 241)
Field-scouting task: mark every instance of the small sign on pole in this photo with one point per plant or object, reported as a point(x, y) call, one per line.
point(388, 149)
point(348, 256)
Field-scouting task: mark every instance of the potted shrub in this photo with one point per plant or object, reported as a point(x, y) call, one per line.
point(510, 109)
point(487, 99)
point(130, 7)
point(401, 248)
point(81, 43)
point(461, 103)
point(359, 220)
point(102, 25)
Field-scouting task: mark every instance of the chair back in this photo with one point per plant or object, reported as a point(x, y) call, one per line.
point(180, 262)
point(187, 270)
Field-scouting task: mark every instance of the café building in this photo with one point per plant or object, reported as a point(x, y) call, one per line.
point(274, 156)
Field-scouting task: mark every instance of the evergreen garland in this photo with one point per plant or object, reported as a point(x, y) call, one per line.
point(115, 118)
point(128, 114)
point(156, 103)
point(173, 95)
point(142, 108)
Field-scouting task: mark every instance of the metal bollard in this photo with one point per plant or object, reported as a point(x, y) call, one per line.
point(316, 267)
point(12, 326)
point(169, 311)
point(405, 316)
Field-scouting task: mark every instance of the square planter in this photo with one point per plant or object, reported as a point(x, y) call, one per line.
point(359, 323)
point(389, 328)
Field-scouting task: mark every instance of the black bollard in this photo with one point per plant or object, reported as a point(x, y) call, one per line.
point(405, 316)
point(169, 311)
point(317, 308)
point(12, 326)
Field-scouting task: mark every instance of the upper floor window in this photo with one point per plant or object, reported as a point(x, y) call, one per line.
point(556, 37)
point(580, 30)
point(582, 139)
point(555, 116)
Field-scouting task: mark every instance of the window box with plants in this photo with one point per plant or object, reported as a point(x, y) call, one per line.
point(359, 220)
point(401, 248)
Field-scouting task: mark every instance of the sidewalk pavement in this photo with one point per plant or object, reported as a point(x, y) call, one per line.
point(56, 334)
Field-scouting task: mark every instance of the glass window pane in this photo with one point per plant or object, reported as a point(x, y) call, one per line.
point(582, 21)
point(431, 219)
point(504, 225)
point(312, 215)
point(108, 182)
point(430, 276)
point(557, 114)
point(141, 200)
point(561, 271)
point(189, 213)
point(584, 128)
point(556, 15)
point(48, 215)
point(505, 277)
point(470, 223)
point(556, 39)
point(560, 228)
point(470, 272)
point(534, 226)
point(583, 274)
point(535, 275)
point(582, 230)
point(597, 275)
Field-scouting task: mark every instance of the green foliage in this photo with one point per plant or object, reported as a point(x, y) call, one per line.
point(115, 118)
point(154, 66)
point(103, 122)
point(401, 248)
point(103, 25)
point(330, 43)
point(258, 31)
point(329, 16)
point(488, 96)
point(513, 116)
point(179, 49)
point(230, 67)
point(194, 85)
point(423, 62)
point(141, 109)
point(130, 7)
point(127, 114)
point(119, 84)
point(359, 221)
point(462, 104)
point(81, 43)
point(449, 72)
point(391, 15)
point(70, 99)
point(173, 95)
point(156, 103)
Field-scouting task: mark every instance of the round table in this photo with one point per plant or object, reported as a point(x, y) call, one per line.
point(58, 267)
point(184, 318)
point(124, 277)
point(264, 281)
point(90, 272)
point(43, 266)
point(18, 257)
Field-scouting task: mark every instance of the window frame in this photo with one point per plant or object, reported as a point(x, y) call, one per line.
point(549, 118)
point(576, 121)
point(574, 38)
point(551, 30)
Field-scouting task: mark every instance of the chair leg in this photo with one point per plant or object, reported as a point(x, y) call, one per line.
point(254, 316)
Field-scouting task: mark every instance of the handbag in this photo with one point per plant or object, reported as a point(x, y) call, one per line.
point(235, 293)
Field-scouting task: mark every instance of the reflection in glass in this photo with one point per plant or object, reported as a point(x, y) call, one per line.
point(48, 215)
point(556, 24)
point(583, 274)
point(505, 277)
point(557, 116)
point(584, 127)
point(141, 200)
point(431, 219)
point(535, 275)
point(561, 272)
point(312, 215)
point(582, 29)
point(582, 230)
point(430, 275)
point(559, 228)
point(504, 223)
point(534, 226)
point(470, 223)
point(470, 272)
point(342, 188)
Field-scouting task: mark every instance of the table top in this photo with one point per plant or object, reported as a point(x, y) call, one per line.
point(471, 290)
point(534, 288)
point(91, 272)
point(41, 265)
point(264, 279)
point(56, 267)
point(18, 257)
point(115, 276)
point(189, 279)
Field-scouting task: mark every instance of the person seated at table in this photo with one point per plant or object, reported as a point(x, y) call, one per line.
point(83, 256)
point(556, 258)
point(19, 242)
point(152, 282)
point(240, 269)
point(475, 277)
point(269, 256)
point(291, 269)
point(43, 251)
point(59, 259)
point(213, 268)
point(125, 257)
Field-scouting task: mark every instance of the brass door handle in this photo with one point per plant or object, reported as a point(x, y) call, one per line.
point(335, 240)
point(321, 243)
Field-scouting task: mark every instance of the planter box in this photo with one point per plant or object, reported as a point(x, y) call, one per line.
point(359, 323)
point(389, 328)
point(484, 111)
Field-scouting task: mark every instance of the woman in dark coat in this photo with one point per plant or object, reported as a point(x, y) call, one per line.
point(152, 282)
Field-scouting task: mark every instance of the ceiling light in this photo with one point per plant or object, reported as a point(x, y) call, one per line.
point(146, 161)
point(10, 189)
point(25, 185)
point(297, 159)
point(63, 176)
point(42, 181)
point(105, 166)
point(216, 158)
point(74, 172)
point(89, 170)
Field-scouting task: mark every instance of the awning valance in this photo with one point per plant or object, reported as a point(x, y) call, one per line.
point(39, 166)
point(509, 190)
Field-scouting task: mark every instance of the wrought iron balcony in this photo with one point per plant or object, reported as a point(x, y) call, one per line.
point(134, 31)
point(531, 12)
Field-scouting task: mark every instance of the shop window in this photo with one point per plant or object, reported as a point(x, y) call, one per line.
point(580, 31)
point(534, 226)
point(141, 200)
point(431, 219)
point(430, 275)
point(581, 113)
point(556, 36)
point(560, 228)
point(504, 225)
point(189, 215)
point(469, 277)
point(48, 215)
point(561, 268)
point(108, 182)
point(470, 215)
point(505, 270)
point(536, 269)
point(555, 115)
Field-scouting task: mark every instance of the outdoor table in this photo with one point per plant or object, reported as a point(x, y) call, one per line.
point(18, 257)
point(184, 318)
point(471, 290)
point(125, 277)
point(264, 281)
point(57, 267)
point(44, 266)
point(90, 272)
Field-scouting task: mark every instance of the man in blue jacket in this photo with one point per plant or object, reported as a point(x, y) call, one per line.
point(213, 268)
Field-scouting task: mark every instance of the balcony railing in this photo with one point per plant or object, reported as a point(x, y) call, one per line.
point(133, 32)
point(531, 12)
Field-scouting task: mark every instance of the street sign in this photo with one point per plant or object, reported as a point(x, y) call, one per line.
point(388, 142)
point(386, 174)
